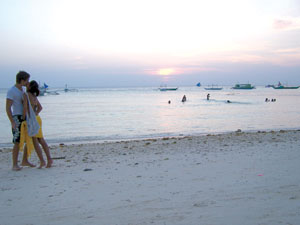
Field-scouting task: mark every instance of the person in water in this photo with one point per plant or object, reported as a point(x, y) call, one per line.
point(208, 96)
point(183, 99)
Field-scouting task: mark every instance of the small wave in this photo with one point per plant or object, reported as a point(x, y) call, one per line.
point(228, 101)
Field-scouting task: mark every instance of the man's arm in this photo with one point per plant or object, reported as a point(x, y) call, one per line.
point(25, 106)
point(9, 103)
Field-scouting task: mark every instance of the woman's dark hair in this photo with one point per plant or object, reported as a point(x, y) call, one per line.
point(34, 88)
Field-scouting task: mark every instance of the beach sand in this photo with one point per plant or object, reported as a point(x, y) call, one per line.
point(234, 178)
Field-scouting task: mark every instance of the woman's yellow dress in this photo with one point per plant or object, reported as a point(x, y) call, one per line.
point(26, 139)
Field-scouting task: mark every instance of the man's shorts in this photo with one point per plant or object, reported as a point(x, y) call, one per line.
point(17, 132)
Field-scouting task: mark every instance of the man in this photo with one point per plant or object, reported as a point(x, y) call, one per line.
point(14, 110)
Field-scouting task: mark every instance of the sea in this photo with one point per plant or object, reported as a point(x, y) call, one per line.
point(113, 114)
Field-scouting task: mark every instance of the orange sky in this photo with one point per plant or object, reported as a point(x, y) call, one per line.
point(139, 37)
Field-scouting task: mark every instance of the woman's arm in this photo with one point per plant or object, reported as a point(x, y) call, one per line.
point(39, 107)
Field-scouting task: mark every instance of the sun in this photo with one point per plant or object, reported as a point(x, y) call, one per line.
point(166, 71)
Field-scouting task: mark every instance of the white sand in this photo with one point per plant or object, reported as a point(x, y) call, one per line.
point(228, 179)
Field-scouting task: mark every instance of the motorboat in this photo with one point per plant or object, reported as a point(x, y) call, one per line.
point(243, 86)
point(286, 87)
point(280, 86)
point(168, 88)
point(213, 88)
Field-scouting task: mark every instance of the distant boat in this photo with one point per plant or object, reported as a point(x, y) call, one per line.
point(67, 89)
point(285, 87)
point(164, 87)
point(213, 88)
point(43, 89)
point(269, 86)
point(168, 88)
point(52, 93)
point(280, 86)
point(198, 85)
point(243, 86)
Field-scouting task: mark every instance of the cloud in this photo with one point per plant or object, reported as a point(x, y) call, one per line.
point(286, 56)
point(288, 51)
point(282, 24)
point(286, 24)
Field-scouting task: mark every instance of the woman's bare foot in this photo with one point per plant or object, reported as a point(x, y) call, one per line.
point(49, 163)
point(28, 164)
point(16, 168)
point(42, 164)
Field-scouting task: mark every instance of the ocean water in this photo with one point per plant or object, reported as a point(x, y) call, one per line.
point(99, 114)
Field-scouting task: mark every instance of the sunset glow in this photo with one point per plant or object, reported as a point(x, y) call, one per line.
point(166, 72)
point(186, 38)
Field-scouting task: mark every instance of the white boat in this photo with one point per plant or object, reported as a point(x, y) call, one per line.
point(68, 89)
point(52, 93)
point(213, 88)
point(44, 90)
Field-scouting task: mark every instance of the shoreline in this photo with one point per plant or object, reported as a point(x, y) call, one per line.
point(97, 141)
point(234, 178)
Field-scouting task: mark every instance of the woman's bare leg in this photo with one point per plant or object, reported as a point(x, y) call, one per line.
point(47, 152)
point(38, 152)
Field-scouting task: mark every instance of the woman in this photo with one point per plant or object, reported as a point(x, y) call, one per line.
point(33, 92)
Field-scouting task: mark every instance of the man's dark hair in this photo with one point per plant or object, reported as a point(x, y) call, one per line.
point(22, 75)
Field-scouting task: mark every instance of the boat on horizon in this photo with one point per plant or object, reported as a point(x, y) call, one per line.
point(243, 86)
point(213, 88)
point(168, 88)
point(280, 86)
point(286, 87)
point(44, 90)
point(69, 90)
point(269, 85)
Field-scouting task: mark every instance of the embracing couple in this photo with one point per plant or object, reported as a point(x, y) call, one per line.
point(18, 104)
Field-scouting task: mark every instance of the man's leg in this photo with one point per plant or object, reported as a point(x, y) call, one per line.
point(16, 140)
point(15, 154)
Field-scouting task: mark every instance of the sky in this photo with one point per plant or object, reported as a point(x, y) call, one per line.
point(115, 43)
